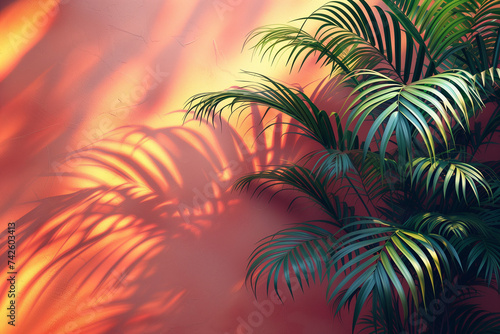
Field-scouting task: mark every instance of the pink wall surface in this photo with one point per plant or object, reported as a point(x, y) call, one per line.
point(125, 220)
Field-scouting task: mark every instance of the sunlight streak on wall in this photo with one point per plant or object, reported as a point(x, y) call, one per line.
point(124, 214)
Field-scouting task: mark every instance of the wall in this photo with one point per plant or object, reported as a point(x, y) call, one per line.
point(125, 218)
point(125, 221)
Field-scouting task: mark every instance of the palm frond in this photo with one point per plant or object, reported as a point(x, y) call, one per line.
point(460, 225)
point(435, 26)
point(484, 14)
point(375, 174)
point(456, 174)
point(278, 40)
point(468, 143)
point(331, 163)
point(295, 178)
point(373, 256)
point(483, 254)
point(300, 252)
point(471, 319)
point(313, 123)
point(490, 216)
point(364, 176)
point(478, 49)
point(378, 322)
point(421, 72)
point(345, 39)
point(480, 56)
point(487, 83)
point(350, 25)
point(408, 109)
point(459, 317)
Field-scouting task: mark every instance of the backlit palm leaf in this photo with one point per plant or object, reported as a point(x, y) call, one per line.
point(346, 40)
point(351, 25)
point(480, 56)
point(435, 26)
point(298, 178)
point(484, 13)
point(386, 249)
point(477, 49)
point(283, 39)
point(314, 123)
point(407, 110)
point(421, 71)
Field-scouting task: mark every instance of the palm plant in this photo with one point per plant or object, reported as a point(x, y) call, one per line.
point(422, 75)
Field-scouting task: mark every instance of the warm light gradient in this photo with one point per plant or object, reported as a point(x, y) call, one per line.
point(125, 219)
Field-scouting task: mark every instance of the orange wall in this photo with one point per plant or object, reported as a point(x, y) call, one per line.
point(124, 219)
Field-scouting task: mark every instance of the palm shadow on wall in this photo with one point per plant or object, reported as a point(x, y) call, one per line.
point(139, 194)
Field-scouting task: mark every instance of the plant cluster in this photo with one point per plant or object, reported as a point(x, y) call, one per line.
point(414, 146)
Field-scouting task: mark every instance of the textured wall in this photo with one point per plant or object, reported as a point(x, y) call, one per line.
point(124, 219)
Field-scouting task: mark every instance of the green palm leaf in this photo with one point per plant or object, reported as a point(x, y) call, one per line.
point(484, 14)
point(480, 55)
point(490, 216)
point(407, 110)
point(346, 39)
point(298, 178)
point(449, 173)
point(313, 123)
point(279, 40)
point(331, 163)
point(373, 178)
point(460, 317)
point(421, 72)
point(483, 253)
point(471, 319)
point(460, 225)
point(373, 255)
point(300, 252)
point(349, 25)
point(435, 26)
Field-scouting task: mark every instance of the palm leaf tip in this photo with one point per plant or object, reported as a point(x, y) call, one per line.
point(374, 254)
point(299, 252)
